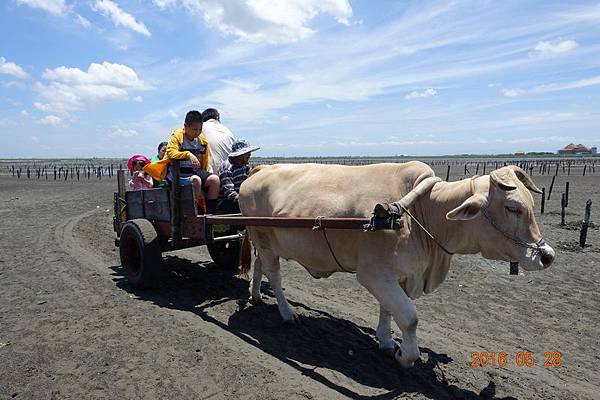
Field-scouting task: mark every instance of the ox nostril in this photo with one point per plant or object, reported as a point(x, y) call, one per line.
point(547, 259)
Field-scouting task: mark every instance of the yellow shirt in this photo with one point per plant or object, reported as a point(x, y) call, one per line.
point(175, 152)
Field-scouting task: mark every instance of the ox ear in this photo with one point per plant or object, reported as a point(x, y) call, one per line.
point(503, 178)
point(524, 177)
point(469, 209)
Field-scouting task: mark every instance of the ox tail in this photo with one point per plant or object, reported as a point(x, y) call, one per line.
point(246, 255)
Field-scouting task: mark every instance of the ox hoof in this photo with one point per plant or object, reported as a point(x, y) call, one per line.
point(291, 318)
point(404, 360)
point(390, 351)
point(256, 300)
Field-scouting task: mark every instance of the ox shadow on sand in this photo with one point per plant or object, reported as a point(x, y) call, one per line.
point(319, 341)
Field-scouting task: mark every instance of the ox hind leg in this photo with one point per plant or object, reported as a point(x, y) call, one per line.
point(255, 282)
point(383, 284)
point(269, 265)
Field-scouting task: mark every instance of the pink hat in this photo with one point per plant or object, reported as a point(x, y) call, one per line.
point(135, 158)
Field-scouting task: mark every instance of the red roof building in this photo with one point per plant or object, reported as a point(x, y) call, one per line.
point(576, 149)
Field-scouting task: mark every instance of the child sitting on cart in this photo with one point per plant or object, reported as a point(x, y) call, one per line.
point(233, 171)
point(190, 147)
point(139, 179)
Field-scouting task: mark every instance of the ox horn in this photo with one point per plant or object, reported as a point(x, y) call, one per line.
point(504, 179)
point(525, 178)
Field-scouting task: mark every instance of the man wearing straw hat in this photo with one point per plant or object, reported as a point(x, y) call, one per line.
point(233, 171)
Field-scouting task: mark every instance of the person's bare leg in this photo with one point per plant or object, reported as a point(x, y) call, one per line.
point(197, 185)
point(213, 186)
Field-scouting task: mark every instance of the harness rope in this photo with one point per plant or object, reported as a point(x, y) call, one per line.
point(425, 230)
point(318, 226)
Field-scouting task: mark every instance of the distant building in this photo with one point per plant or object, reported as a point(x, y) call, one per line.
point(519, 153)
point(572, 148)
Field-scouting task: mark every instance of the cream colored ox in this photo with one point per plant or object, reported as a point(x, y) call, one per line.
point(491, 215)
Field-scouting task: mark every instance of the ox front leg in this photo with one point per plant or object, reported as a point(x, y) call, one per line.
point(271, 268)
point(383, 284)
point(384, 332)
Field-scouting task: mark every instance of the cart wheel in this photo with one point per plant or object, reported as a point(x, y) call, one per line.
point(226, 254)
point(140, 253)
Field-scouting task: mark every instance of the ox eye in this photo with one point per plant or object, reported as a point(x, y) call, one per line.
point(512, 209)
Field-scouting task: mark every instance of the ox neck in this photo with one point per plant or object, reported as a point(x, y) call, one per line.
point(444, 197)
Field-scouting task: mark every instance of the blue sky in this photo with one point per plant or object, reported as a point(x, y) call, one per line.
point(109, 78)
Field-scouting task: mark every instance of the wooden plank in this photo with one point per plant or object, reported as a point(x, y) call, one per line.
point(290, 222)
point(156, 204)
point(121, 211)
point(135, 204)
point(188, 202)
point(175, 202)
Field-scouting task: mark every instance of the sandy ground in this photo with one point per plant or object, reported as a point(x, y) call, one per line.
point(72, 327)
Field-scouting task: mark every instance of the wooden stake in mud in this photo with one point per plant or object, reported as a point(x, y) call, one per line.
point(551, 186)
point(28, 173)
point(514, 268)
point(484, 165)
point(584, 168)
point(465, 173)
point(544, 198)
point(562, 210)
point(556, 172)
point(448, 173)
point(585, 224)
point(569, 168)
point(567, 194)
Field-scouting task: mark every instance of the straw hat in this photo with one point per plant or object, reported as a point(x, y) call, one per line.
point(240, 148)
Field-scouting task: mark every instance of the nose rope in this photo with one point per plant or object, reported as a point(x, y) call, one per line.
point(536, 246)
point(520, 242)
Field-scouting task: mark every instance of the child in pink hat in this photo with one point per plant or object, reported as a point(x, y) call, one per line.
point(139, 179)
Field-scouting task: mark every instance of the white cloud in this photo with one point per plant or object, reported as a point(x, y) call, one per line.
point(123, 132)
point(515, 92)
point(162, 4)
point(138, 99)
point(553, 87)
point(425, 93)
point(554, 48)
point(119, 17)
point(11, 68)
point(98, 74)
point(52, 120)
point(72, 89)
point(265, 20)
point(82, 21)
point(41, 106)
point(54, 7)
point(173, 114)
